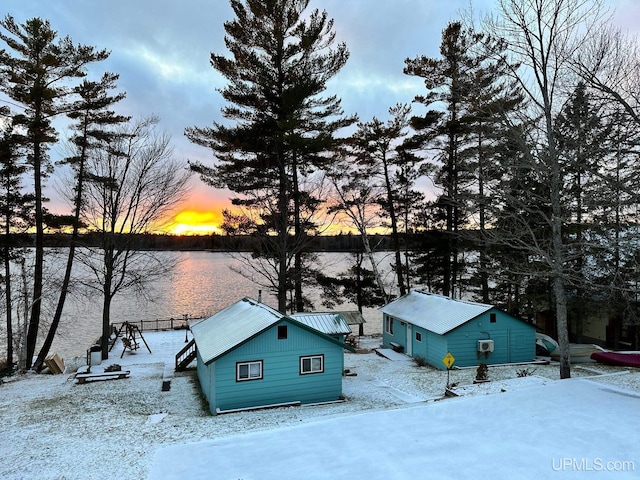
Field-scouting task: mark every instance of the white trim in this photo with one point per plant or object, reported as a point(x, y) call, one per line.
point(388, 324)
point(259, 407)
point(249, 373)
point(311, 366)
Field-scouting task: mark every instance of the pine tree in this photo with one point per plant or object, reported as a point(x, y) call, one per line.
point(377, 145)
point(15, 212)
point(37, 77)
point(280, 64)
point(582, 142)
point(94, 124)
point(615, 201)
point(469, 103)
point(447, 82)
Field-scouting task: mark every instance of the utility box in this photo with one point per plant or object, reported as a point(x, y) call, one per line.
point(54, 363)
point(94, 355)
point(485, 346)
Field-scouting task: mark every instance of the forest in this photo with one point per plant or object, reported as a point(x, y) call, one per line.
point(214, 242)
point(527, 131)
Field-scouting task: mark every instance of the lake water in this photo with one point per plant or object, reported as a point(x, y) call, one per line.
point(202, 284)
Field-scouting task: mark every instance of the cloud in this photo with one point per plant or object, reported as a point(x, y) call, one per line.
point(161, 50)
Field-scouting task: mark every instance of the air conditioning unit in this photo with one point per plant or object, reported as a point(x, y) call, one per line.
point(485, 346)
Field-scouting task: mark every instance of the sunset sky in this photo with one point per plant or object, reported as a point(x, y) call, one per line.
point(161, 50)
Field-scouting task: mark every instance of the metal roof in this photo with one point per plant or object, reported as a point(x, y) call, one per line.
point(231, 326)
point(239, 322)
point(353, 317)
point(329, 323)
point(435, 313)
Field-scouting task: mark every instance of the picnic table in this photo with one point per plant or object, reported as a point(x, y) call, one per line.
point(84, 375)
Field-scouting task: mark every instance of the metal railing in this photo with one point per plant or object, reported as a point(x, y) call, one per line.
point(158, 325)
point(186, 355)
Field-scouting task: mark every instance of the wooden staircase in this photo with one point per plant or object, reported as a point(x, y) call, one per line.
point(185, 356)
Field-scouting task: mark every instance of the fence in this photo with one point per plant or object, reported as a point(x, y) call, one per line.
point(158, 325)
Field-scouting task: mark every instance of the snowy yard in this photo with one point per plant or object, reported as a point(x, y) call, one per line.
point(393, 424)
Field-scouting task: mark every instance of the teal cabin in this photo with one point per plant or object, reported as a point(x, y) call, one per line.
point(252, 356)
point(430, 326)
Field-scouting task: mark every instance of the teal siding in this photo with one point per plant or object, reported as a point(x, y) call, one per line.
point(399, 332)
point(421, 349)
point(436, 349)
point(281, 380)
point(514, 341)
point(205, 377)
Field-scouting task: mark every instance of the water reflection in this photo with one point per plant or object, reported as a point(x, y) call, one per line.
point(202, 284)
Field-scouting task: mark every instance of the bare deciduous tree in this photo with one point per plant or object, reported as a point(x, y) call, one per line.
point(543, 36)
point(134, 185)
point(355, 199)
point(609, 62)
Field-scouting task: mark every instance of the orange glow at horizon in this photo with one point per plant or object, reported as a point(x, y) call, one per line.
point(192, 222)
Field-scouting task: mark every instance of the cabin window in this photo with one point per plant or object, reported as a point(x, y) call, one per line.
point(282, 332)
point(248, 371)
point(492, 318)
point(388, 325)
point(418, 337)
point(312, 364)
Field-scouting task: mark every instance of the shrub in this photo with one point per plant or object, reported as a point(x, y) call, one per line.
point(525, 372)
point(482, 373)
point(420, 361)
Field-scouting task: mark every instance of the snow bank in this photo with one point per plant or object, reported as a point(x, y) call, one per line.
point(522, 434)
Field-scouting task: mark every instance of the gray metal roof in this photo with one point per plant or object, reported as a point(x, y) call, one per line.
point(329, 323)
point(231, 326)
point(434, 312)
point(353, 317)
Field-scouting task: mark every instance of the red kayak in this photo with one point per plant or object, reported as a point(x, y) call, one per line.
point(619, 359)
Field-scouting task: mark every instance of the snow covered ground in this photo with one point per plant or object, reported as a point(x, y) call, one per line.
point(393, 424)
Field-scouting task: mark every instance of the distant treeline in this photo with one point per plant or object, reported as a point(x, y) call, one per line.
point(325, 243)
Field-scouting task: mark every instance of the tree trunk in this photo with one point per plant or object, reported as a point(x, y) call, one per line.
point(44, 351)
point(557, 256)
point(46, 346)
point(8, 303)
point(395, 236)
point(108, 295)
point(36, 306)
point(484, 273)
point(374, 266)
point(299, 236)
point(283, 243)
point(106, 326)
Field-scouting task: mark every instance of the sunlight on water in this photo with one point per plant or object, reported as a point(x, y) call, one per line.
point(202, 284)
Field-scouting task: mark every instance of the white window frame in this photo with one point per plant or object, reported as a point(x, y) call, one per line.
point(312, 370)
point(388, 325)
point(249, 365)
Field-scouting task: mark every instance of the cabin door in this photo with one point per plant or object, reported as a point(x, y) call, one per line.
point(409, 347)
